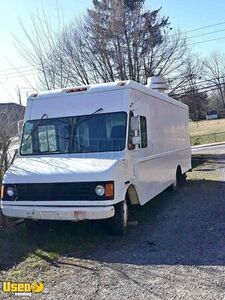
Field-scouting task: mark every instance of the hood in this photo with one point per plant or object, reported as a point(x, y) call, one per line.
point(59, 169)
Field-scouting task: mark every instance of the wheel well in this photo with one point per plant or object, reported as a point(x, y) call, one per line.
point(132, 195)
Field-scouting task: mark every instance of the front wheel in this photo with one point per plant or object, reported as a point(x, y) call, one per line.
point(118, 223)
point(36, 226)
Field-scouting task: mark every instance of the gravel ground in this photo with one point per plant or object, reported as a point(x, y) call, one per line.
point(177, 250)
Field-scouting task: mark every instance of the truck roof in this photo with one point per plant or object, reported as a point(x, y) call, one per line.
point(104, 87)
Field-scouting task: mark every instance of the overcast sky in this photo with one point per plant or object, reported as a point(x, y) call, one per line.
point(186, 15)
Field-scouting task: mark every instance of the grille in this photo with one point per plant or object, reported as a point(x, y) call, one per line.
point(56, 191)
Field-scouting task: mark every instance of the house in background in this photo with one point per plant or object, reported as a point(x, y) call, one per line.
point(10, 115)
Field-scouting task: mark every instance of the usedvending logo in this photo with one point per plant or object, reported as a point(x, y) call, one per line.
point(22, 288)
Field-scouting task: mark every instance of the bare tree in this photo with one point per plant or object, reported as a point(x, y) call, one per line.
point(41, 51)
point(8, 128)
point(190, 90)
point(189, 77)
point(197, 102)
point(115, 40)
point(6, 137)
point(215, 71)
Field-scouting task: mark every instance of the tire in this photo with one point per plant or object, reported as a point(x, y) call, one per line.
point(31, 225)
point(180, 180)
point(184, 179)
point(118, 223)
point(36, 226)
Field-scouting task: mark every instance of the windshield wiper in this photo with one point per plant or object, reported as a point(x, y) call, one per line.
point(36, 126)
point(80, 122)
point(89, 116)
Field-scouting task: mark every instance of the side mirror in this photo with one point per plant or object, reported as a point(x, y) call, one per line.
point(134, 123)
point(136, 140)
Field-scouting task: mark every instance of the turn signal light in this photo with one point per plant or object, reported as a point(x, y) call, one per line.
point(2, 192)
point(109, 190)
point(34, 95)
point(121, 83)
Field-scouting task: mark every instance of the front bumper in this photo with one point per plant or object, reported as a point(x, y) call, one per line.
point(59, 213)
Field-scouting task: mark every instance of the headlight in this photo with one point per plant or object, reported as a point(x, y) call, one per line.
point(100, 190)
point(10, 192)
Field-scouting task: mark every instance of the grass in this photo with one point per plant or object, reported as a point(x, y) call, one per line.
point(206, 127)
point(25, 256)
point(208, 138)
point(207, 131)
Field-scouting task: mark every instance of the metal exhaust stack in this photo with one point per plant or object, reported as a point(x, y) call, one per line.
point(157, 83)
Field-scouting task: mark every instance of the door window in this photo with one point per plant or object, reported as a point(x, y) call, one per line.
point(144, 136)
point(130, 133)
point(142, 132)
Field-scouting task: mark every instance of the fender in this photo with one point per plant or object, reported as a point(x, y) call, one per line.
point(133, 195)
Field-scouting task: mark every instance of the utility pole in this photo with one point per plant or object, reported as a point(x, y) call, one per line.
point(19, 95)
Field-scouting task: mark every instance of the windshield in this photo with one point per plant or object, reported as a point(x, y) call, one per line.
point(82, 134)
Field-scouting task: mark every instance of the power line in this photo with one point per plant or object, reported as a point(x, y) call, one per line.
point(185, 95)
point(9, 69)
point(192, 30)
point(206, 41)
point(24, 69)
point(204, 27)
point(16, 75)
point(204, 34)
point(205, 89)
point(4, 74)
point(188, 85)
point(207, 33)
point(200, 28)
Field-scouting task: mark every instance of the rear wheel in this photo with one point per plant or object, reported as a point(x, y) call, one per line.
point(118, 223)
point(180, 180)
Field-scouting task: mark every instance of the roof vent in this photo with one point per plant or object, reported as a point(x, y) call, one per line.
point(157, 83)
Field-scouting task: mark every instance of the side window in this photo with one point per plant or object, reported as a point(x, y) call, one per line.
point(144, 136)
point(130, 134)
point(26, 146)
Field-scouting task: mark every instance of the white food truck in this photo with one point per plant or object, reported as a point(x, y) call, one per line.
point(89, 152)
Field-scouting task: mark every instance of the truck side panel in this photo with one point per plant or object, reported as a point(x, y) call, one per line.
point(168, 145)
